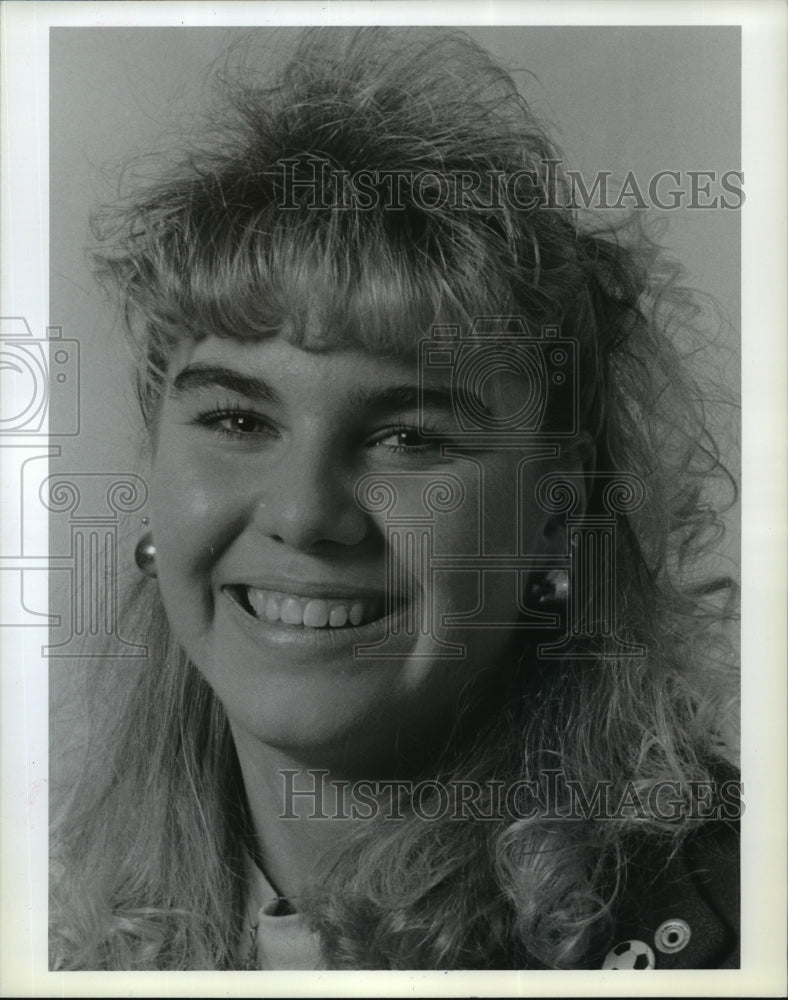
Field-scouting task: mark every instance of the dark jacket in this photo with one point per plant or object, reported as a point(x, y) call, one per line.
point(679, 911)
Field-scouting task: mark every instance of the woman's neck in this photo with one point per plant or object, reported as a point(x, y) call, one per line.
point(297, 814)
point(304, 806)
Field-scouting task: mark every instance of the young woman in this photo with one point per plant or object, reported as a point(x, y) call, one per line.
point(432, 676)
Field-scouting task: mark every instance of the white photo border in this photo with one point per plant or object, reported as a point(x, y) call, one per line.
point(23, 676)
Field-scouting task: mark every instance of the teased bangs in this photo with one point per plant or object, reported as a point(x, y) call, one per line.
point(222, 246)
point(267, 229)
point(323, 278)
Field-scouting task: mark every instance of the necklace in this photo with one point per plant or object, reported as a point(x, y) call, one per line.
point(250, 963)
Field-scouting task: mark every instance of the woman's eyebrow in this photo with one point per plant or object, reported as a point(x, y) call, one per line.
point(200, 375)
point(206, 376)
point(412, 397)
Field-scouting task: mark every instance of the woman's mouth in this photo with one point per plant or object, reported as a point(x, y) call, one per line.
point(316, 626)
point(308, 612)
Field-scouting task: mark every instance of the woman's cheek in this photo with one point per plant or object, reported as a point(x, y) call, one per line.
point(198, 509)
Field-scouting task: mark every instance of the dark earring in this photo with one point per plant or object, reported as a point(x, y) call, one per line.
point(549, 592)
point(145, 555)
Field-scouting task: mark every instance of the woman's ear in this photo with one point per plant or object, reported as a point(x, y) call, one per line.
point(582, 463)
point(580, 454)
point(577, 462)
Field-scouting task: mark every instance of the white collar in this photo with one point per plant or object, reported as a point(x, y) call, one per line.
point(273, 942)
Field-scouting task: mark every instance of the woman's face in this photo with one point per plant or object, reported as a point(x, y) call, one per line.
point(273, 574)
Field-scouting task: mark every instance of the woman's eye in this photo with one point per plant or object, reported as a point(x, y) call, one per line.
point(403, 440)
point(242, 423)
point(236, 423)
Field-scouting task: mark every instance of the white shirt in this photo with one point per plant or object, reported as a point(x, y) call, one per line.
point(270, 942)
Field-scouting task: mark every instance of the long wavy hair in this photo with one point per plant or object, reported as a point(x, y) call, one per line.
point(149, 848)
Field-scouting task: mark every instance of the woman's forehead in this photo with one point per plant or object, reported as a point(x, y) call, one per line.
point(349, 379)
point(312, 330)
point(282, 355)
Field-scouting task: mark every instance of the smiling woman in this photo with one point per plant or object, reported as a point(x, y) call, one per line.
point(267, 562)
point(433, 680)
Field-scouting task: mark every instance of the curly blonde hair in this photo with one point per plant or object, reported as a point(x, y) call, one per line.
point(151, 846)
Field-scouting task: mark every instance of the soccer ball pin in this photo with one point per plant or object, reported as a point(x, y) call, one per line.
point(630, 955)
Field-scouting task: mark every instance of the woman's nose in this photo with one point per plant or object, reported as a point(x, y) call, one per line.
point(305, 502)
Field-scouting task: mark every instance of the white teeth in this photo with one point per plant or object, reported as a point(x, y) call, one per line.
point(292, 611)
point(337, 617)
point(258, 598)
point(316, 614)
point(311, 612)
